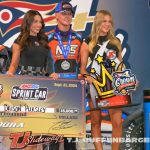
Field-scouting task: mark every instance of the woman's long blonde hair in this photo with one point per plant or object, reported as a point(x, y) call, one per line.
point(95, 32)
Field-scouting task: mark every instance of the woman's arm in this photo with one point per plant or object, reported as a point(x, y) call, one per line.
point(84, 53)
point(15, 59)
point(119, 55)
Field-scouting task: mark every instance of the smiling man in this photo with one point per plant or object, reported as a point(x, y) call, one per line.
point(64, 43)
point(64, 46)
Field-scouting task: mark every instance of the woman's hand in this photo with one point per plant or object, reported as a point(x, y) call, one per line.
point(89, 79)
point(54, 75)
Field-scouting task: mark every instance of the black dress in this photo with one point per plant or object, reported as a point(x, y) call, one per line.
point(34, 58)
point(107, 63)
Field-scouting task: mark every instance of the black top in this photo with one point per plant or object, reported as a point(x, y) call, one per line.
point(100, 41)
point(106, 63)
point(35, 55)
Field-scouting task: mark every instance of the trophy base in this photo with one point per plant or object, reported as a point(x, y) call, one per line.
point(113, 107)
point(118, 100)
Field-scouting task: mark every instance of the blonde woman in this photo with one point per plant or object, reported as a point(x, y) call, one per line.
point(102, 32)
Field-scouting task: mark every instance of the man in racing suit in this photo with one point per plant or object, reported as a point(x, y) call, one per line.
point(64, 46)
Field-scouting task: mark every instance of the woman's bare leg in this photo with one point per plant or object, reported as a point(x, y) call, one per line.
point(116, 115)
point(95, 126)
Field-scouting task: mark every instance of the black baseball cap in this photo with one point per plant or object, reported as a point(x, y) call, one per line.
point(64, 6)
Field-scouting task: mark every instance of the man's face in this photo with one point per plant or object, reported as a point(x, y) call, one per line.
point(64, 17)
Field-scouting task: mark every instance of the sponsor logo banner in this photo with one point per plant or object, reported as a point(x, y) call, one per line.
point(124, 82)
point(21, 140)
point(12, 13)
point(29, 93)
